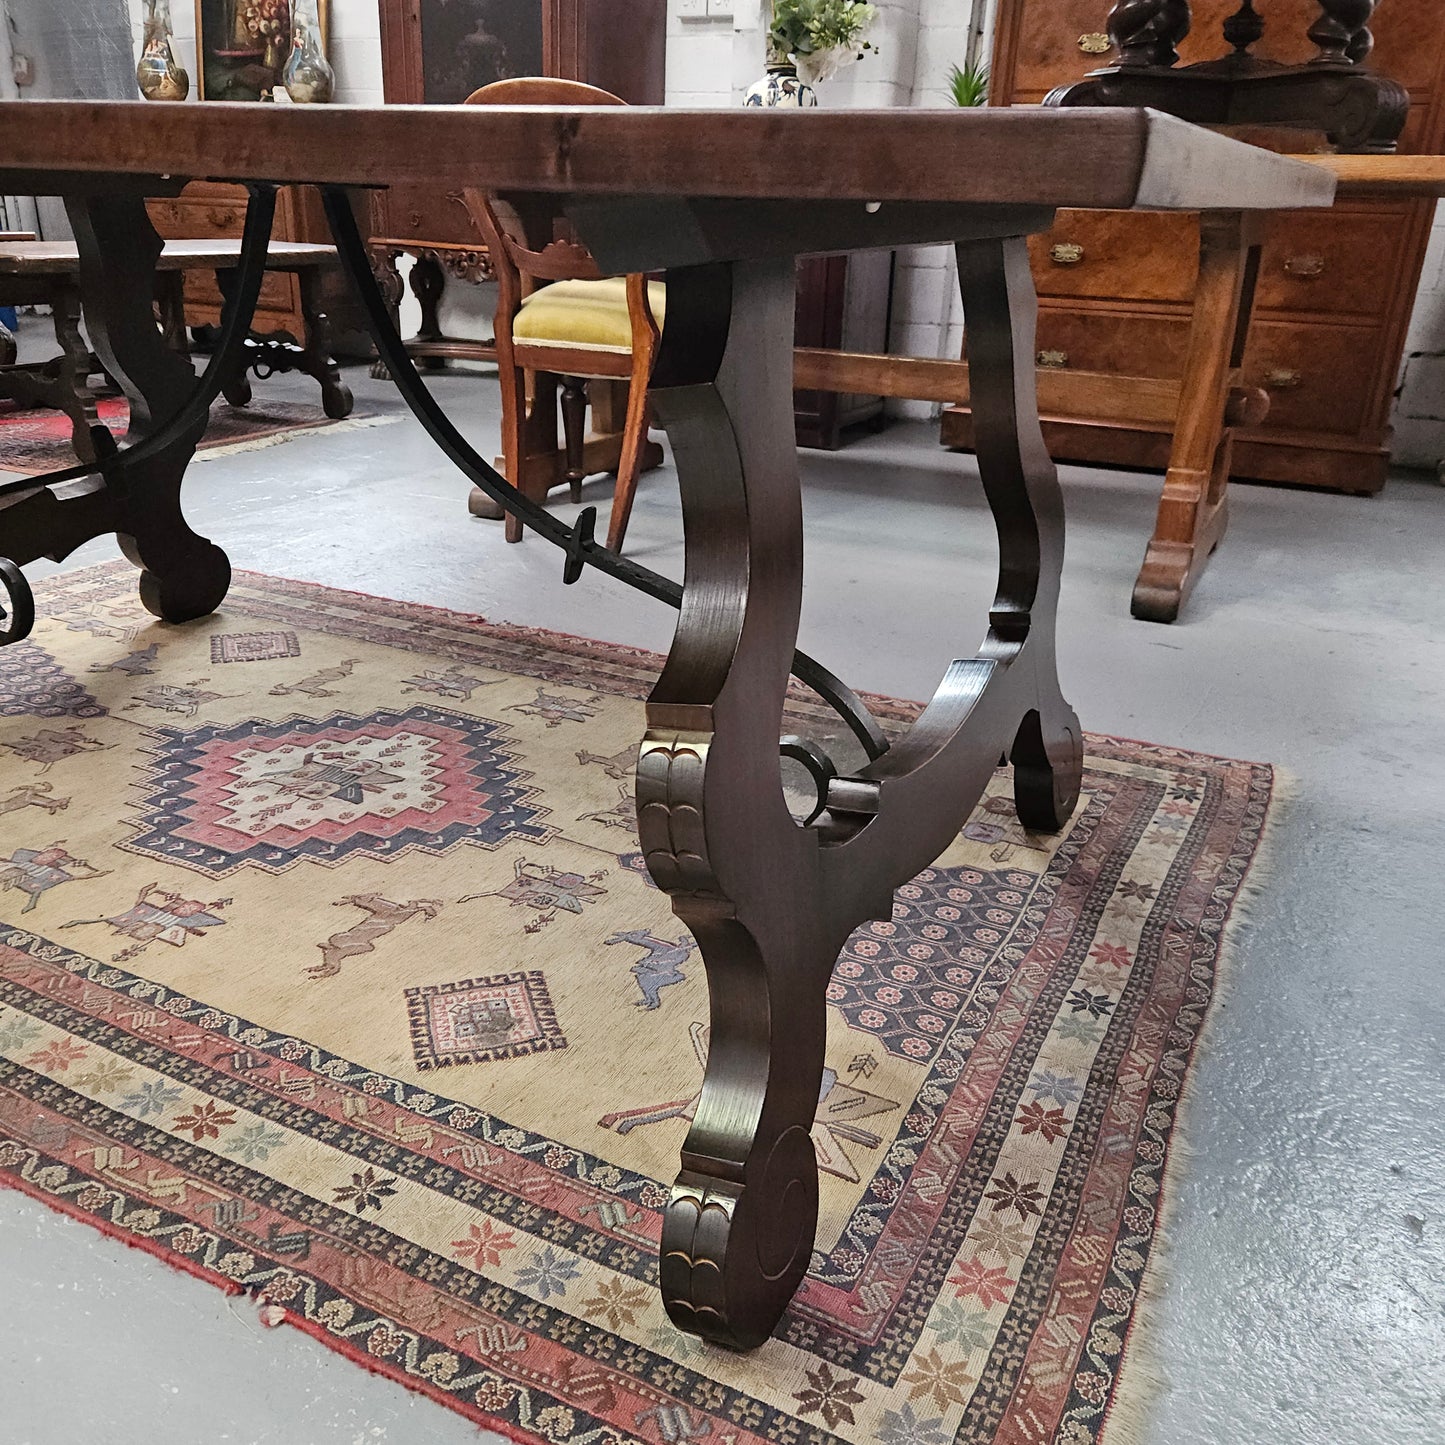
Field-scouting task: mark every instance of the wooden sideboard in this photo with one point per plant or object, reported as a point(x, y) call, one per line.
point(1336, 288)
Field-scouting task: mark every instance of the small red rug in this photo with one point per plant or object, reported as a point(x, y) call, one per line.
point(37, 440)
point(329, 972)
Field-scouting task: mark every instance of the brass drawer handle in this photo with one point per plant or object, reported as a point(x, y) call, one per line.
point(1066, 253)
point(1305, 267)
point(1053, 360)
point(1283, 379)
point(1095, 43)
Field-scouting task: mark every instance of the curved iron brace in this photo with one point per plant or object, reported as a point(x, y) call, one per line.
point(577, 541)
point(112, 461)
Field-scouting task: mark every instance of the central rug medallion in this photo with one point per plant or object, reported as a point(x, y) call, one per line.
point(268, 794)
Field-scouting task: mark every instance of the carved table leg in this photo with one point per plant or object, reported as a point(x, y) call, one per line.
point(8, 348)
point(712, 817)
point(771, 901)
point(236, 387)
point(1194, 505)
point(316, 358)
point(184, 575)
point(428, 282)
point(72, 392)
point(393, 288)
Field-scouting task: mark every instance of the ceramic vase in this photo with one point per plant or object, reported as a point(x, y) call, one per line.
point(308, 76)
point(157, 73)
point(781, 86)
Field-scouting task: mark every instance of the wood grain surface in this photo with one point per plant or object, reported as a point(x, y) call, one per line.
point(1120, 159)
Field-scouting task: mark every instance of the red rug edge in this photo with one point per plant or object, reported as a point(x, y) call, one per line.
point(178, 1262)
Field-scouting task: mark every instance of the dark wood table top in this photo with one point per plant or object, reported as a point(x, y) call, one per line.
point(1109, 158)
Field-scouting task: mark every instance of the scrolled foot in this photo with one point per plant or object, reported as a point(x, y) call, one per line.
point(1048, 762)
point(336, 399)
point(734, 1253)
point(193, 584)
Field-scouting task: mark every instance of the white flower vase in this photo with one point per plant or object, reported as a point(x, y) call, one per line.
point(781, 87)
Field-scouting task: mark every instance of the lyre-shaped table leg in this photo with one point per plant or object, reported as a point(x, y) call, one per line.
point(769, 901)
point(714, 824)
point(184, 575)
point(1022, 486)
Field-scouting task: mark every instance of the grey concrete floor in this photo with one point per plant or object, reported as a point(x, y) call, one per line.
point(1305, 1291)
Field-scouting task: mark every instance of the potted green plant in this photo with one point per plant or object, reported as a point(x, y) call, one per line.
point(811, 41)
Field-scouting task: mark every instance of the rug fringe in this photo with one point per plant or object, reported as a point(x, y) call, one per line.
point(1143, 1376)
point(276, 439)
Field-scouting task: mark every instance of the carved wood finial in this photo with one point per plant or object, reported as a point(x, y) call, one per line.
point(1342, 31)
point(1146, 32)
point(1244, 28)
point(1132, 27)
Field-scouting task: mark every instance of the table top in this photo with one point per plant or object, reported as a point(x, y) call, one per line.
point(1360, 175)
point(60, 258)
point(1109, 158)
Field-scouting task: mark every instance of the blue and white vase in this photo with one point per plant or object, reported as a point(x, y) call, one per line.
point(781, 86)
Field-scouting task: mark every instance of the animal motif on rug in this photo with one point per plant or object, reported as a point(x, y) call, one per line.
point(187, 698)
point(554, 709)
point(453, 682)
point(33, 795)
point(318, 684)
point(85, 620)
point(835, 1125)
point(134, 664)
point(622, 814)
point(159, 916)
point(37, 870)
point(50, 745)
point(660, 966)
point(619, 765)
point(382, 917)
point(545, 889)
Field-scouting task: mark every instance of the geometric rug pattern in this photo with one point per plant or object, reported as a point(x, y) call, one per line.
point(328, 973)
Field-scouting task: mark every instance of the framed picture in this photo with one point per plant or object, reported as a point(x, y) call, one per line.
point(242, 46)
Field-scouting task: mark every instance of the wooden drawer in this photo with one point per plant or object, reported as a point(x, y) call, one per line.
point(280, 296)
point(1051, 53)
point(1317, 376)
point(1118, 255)
point(1338, 263)
point(415, 213)
point(1113, 341)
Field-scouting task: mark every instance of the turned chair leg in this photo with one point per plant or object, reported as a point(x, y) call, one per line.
point(574, 432)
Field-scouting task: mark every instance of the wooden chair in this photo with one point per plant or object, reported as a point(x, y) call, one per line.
point(559, 318)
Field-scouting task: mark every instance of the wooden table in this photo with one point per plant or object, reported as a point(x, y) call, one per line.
point(48, 273)
point(769, 900)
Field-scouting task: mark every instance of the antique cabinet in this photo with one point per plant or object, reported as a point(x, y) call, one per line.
point(212, 210)
point(437, 52)
point(1336, 288)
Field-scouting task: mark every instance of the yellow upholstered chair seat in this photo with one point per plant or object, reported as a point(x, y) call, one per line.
point(590, 315)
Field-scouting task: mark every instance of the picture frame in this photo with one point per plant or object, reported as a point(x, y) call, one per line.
point(242, 46)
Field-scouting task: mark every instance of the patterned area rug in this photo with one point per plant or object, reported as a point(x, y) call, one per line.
point(37, 440)
point(330, 973)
